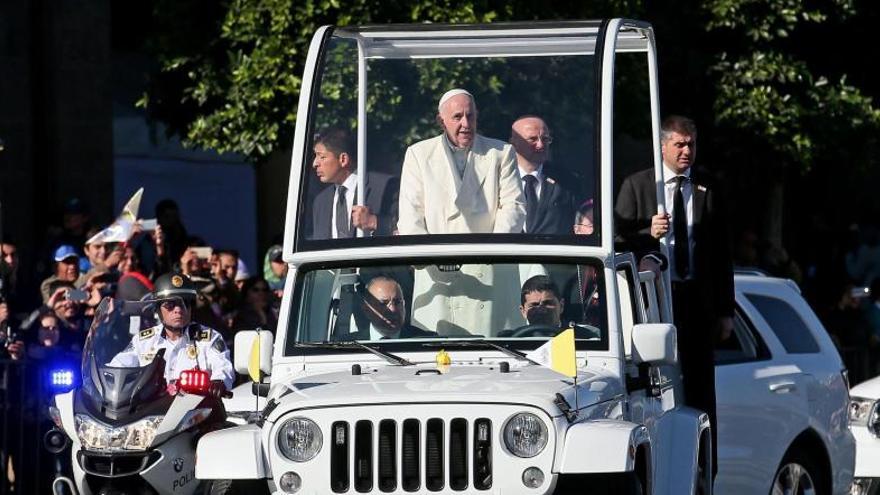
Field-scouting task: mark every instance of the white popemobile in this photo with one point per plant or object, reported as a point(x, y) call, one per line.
point(406, 364)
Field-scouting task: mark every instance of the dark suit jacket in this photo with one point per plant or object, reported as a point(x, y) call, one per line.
point(382, 191)
point(407, 332)
point(555, 214)
point(713, 268)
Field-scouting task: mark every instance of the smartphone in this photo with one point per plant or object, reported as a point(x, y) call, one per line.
point(148, 224)
point(203, 252)
point(77, 295)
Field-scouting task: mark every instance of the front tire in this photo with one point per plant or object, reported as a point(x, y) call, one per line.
point(601, 484)
point(798, 474)
point(704, 467)
point(236, 487)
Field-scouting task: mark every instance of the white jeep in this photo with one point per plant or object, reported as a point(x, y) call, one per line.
point(450, 402)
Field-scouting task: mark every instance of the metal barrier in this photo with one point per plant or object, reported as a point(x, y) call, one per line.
point(25, 466)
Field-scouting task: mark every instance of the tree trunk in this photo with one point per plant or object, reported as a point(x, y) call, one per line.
point(773, 219)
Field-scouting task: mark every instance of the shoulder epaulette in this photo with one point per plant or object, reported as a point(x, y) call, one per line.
point(149, 332)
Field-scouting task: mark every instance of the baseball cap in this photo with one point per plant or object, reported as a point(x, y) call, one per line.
point(275, 254)
point(64, 252)
point(75, 205)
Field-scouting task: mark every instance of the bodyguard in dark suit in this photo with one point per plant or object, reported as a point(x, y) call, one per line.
point(334, 211)
point(381, 313)
point(549, 206)
point(699, 262)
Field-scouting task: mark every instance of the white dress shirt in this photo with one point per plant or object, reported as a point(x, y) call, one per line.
point(350, 185)
point(538, 173)
point(375, 334)
point(687, 193)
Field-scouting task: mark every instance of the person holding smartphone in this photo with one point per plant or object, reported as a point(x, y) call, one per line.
point(69, 325)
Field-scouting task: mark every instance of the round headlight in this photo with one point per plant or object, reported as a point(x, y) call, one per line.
point(874, 420)
point(525, 435)
point(299, 439)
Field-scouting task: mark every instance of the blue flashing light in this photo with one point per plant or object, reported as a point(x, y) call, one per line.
point(62, 379)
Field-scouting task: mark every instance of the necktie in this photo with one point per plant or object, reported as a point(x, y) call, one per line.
point(343, 220)
point(531, 193)
point(680, 230)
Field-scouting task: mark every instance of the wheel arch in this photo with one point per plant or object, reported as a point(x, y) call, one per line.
point(809, 442)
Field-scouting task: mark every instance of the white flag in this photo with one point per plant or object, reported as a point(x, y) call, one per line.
point(120, 230)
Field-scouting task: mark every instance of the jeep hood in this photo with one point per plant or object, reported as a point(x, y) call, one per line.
point(528, 385)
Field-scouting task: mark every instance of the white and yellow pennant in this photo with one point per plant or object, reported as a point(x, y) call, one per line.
point(557, 354)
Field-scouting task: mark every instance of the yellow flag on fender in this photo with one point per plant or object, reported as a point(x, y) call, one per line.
point(557, 354)
point(254, 361)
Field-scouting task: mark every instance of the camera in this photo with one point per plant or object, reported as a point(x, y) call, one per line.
point(76, 295)
point(8, 335)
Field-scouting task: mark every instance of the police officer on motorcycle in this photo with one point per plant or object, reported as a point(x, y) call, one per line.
point(187, 344)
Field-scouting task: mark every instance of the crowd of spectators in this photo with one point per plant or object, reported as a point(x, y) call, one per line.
point(46, 310)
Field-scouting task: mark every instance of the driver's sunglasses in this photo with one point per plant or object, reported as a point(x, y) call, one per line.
point(170, 305)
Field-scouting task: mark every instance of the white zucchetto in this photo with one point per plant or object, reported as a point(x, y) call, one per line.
point(449, 94)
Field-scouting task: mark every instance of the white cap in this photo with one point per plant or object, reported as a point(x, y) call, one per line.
point(242, 273)
point(449, 94)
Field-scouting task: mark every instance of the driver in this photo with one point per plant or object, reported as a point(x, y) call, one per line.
point(541, 306)
point(187, 344)
point(540, 302)
point(385, 310)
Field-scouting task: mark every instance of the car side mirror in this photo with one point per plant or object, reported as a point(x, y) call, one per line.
point(253, 353)
point(654, 343)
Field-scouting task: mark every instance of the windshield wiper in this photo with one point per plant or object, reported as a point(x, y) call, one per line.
point(391, 358)
point(482, 343)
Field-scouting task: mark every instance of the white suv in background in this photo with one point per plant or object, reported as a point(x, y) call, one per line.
point(782, 397)
point(865, 425)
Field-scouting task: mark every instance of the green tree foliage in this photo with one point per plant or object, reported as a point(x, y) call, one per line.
point(768, 92)
point(231, 70)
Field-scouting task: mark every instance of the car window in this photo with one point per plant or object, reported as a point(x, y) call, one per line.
point(408, 180)
point(628, 296)
point(524, 303)
point(743, 345)
point(786, 323)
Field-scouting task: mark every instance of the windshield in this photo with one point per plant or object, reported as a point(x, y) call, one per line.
point(410, 137)
point(521, 303)
point(116, 322)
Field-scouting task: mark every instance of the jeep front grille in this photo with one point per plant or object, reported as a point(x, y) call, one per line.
point(411, 454)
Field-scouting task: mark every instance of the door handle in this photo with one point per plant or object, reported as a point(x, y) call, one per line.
point(783, 387)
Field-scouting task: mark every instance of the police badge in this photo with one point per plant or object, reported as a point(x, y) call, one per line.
point(177, 281)
point(191, 351)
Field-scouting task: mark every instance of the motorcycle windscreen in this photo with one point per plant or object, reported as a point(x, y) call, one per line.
point(119, 380)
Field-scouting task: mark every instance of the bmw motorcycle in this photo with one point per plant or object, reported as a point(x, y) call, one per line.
point(131, 432)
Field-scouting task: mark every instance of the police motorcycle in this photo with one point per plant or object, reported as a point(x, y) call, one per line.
point(134, 431)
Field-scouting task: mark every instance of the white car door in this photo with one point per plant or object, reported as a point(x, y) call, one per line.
point(761, 404)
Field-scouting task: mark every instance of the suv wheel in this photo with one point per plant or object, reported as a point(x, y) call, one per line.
point(704, 468)
point(797, 475)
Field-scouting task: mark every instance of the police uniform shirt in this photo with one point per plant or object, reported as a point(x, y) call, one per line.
point(198, 346)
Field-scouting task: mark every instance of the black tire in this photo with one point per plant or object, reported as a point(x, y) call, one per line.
point(704, 468)
point(236, 487)
point(601, 484)
point(798, 474)
point(627, 484)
